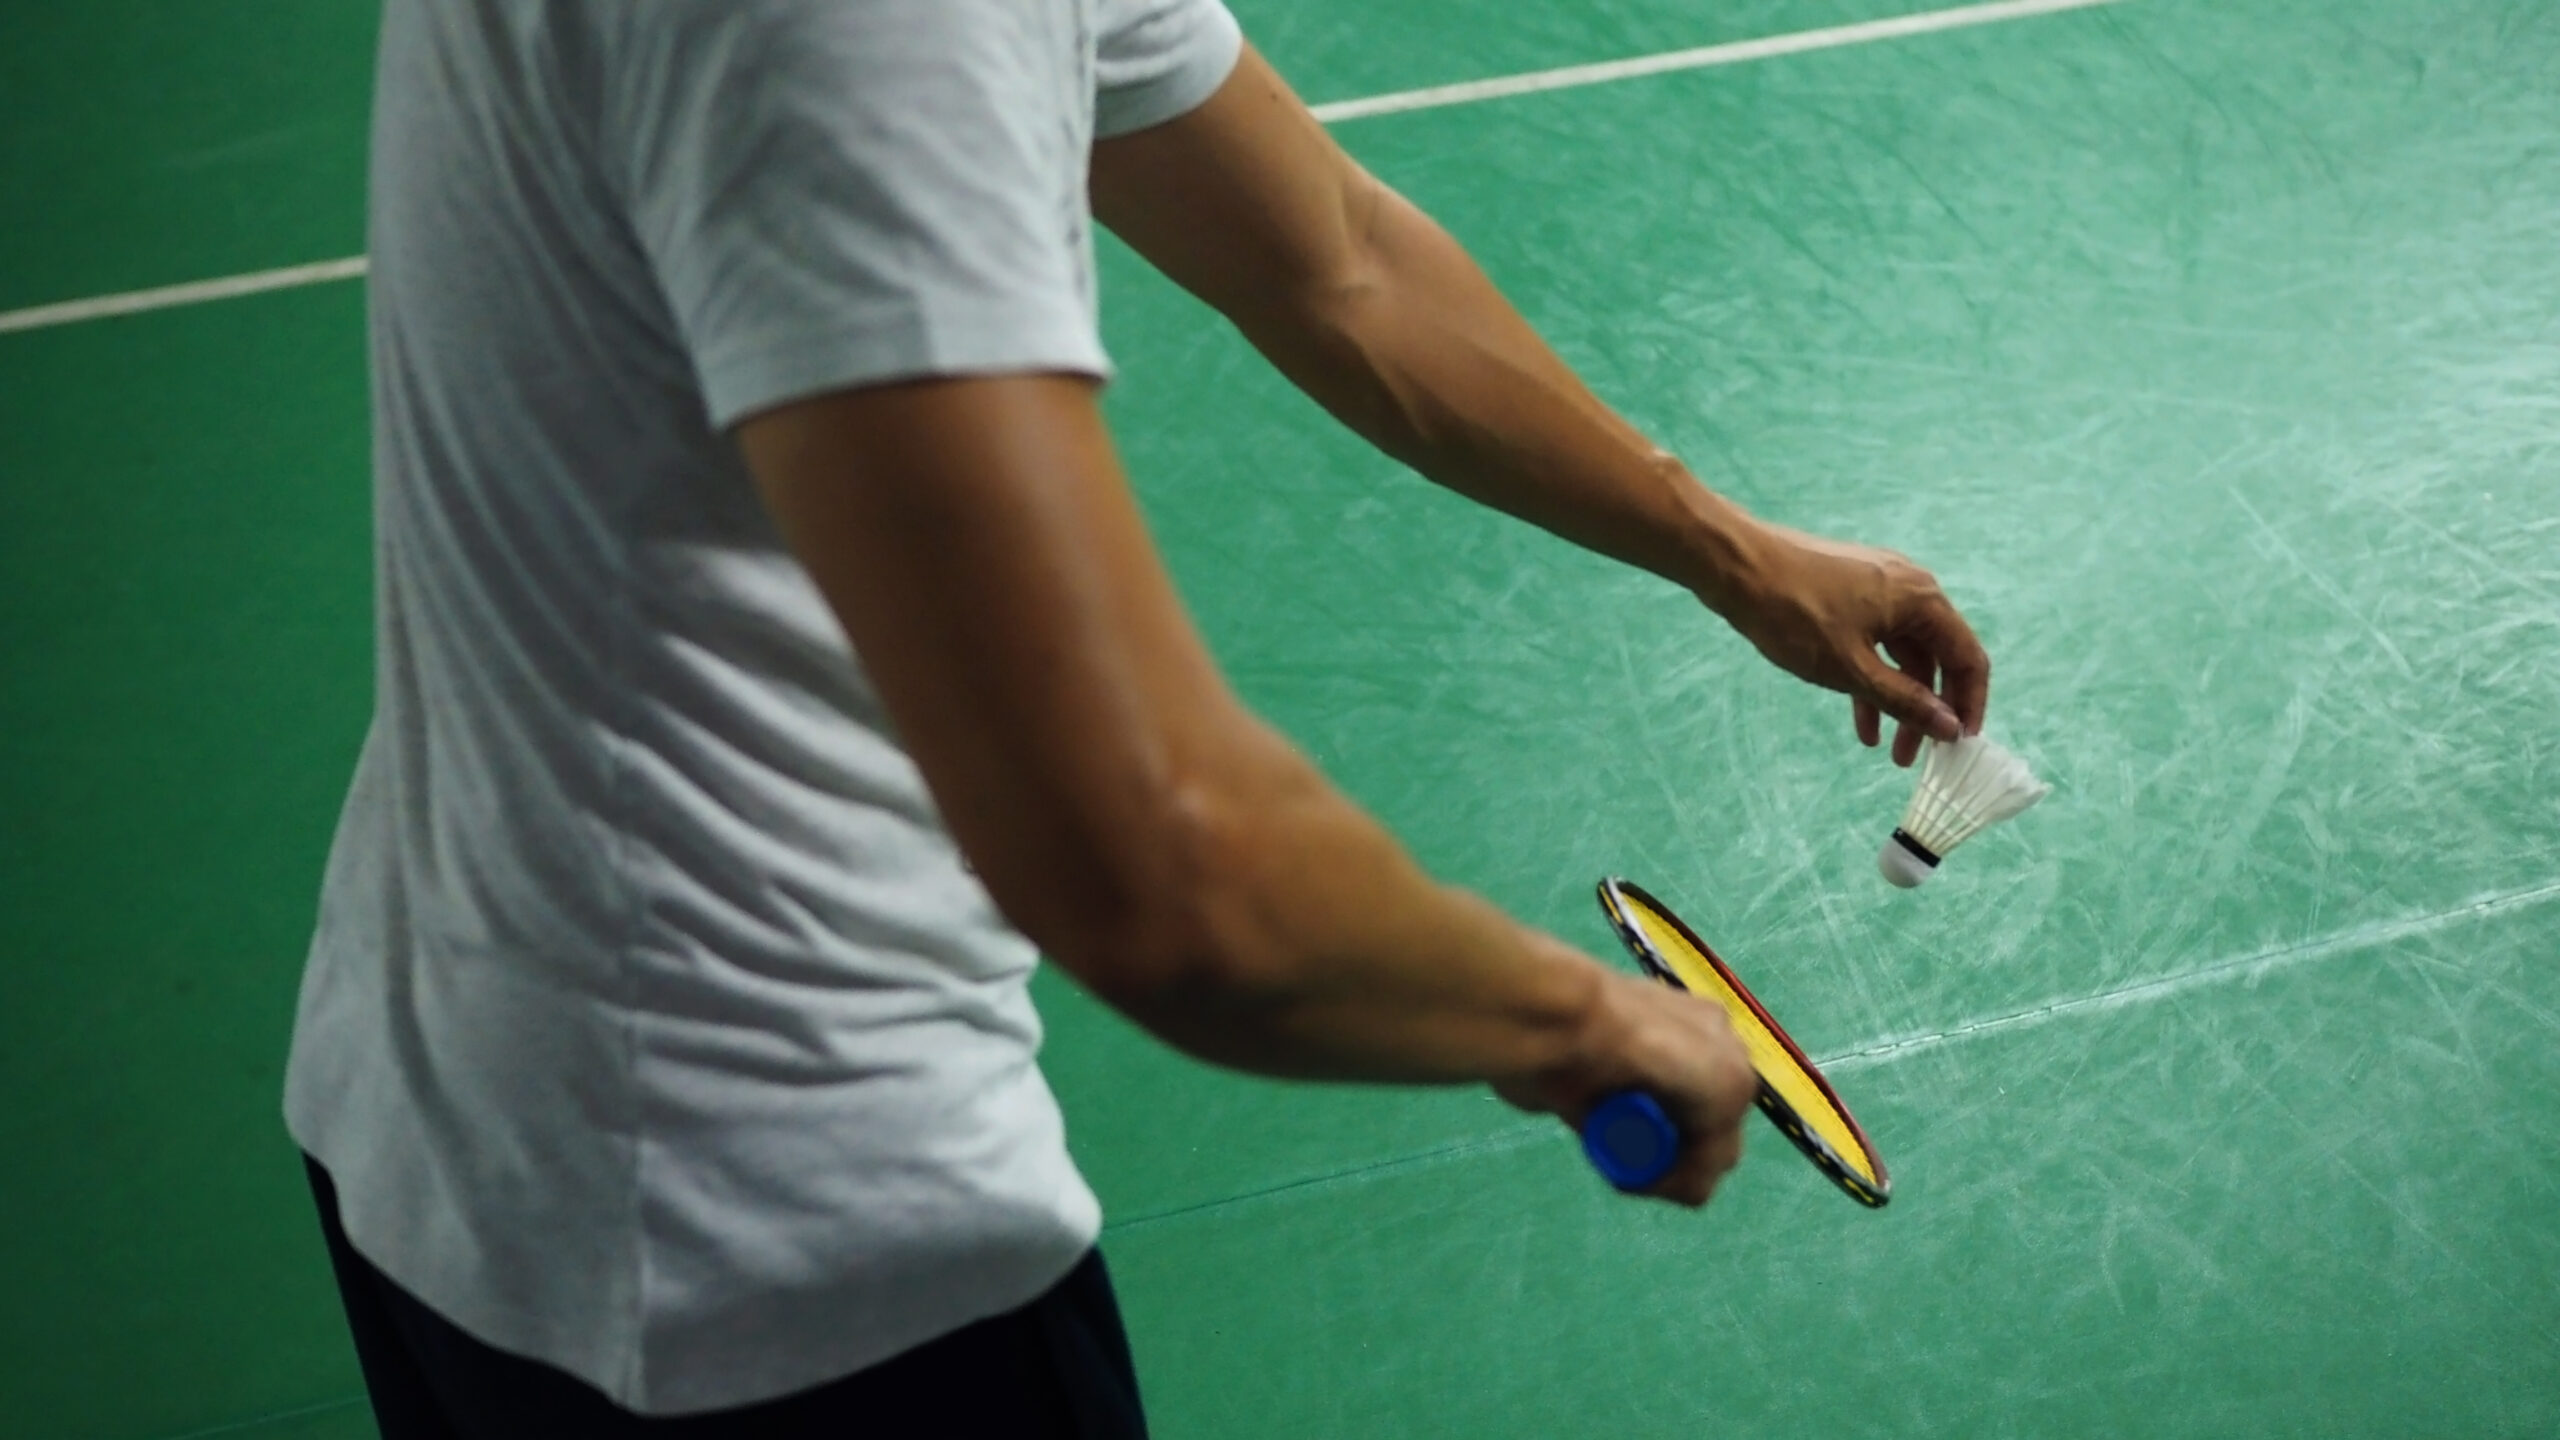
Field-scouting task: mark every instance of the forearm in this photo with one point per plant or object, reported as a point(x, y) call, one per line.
point(1304, 941)
point(1377, 313)
point(1412, 346)
point(1328, 954)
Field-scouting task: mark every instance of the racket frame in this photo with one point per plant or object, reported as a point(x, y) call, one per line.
point(1615, 894)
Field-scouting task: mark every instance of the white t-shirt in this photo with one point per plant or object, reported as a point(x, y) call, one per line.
point(653, 1028)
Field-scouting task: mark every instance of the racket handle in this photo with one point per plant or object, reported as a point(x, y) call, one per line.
point(1630, 1141)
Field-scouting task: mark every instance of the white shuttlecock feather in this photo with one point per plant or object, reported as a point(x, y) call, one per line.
point(1964, 788)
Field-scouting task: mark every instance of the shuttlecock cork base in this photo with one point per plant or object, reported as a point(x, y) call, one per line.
point(1965, 787)
point(1905, 861)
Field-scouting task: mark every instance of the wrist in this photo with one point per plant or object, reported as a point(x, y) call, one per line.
point(1722, 547)
point(1585, 1057)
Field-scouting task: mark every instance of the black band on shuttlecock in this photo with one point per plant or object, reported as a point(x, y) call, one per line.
point(1903, 838)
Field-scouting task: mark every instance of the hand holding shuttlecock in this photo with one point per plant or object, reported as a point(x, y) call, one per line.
point(1966, 786)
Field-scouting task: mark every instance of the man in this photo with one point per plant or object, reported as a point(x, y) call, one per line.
point(771, 656)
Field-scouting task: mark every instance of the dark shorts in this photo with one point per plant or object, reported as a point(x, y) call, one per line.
point(1056, 1369)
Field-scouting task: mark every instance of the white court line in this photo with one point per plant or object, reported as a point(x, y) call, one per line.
point(134, 302)
point(1732, 53)
point(2161, 987)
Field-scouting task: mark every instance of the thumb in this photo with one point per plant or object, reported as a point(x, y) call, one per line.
point(1899, 695)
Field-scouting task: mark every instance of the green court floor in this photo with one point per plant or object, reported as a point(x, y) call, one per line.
point(2209, 351)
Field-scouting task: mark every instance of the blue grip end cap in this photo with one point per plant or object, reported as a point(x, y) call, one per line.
point(1630, 1141)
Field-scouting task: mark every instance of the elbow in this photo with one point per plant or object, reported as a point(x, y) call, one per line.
point(1187, 926)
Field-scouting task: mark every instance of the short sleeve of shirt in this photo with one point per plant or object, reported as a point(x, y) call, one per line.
point(834, 194)
point(1158, 59)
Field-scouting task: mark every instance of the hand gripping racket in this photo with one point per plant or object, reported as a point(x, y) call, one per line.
point(1629, 1138)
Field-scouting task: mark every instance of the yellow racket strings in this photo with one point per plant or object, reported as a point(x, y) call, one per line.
point(1777, 1064)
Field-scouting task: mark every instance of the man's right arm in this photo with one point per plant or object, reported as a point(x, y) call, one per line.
point(977, 540)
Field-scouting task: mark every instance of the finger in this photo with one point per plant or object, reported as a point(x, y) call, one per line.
point(1906, 743)
point(1693, 1181)
point(1914, 660)
point(1904, 698)
point(1960, 655)
point(1870, 725)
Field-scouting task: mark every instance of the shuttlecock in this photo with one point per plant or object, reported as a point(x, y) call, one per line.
point(1964, 787)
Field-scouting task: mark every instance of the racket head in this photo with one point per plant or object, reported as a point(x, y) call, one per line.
point(1793, 1093)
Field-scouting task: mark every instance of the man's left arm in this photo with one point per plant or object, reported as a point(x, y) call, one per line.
point(1378, 314)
